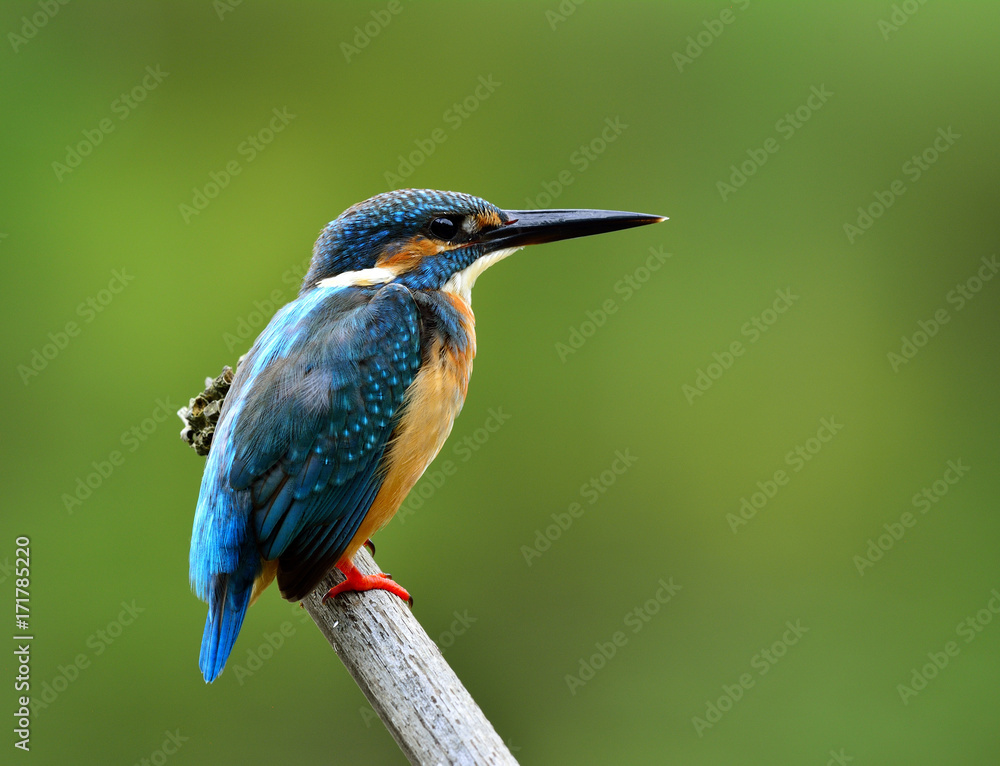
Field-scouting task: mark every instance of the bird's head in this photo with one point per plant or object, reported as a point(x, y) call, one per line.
point(433, 240)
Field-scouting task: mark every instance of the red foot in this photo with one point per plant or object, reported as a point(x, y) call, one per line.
point(358, 582)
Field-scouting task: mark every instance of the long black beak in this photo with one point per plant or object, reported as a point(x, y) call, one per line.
point(533, 227)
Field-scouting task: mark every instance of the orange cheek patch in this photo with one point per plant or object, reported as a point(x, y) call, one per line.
point(489, 220)
point(409, 255)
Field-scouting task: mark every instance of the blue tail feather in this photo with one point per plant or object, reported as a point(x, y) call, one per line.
point(227, 605)
point(224, 558)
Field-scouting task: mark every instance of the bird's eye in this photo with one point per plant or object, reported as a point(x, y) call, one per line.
point(444, 228)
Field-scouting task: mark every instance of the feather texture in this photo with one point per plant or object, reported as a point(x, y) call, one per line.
point(293, 465)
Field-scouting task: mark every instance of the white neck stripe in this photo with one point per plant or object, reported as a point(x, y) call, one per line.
point(362, 278)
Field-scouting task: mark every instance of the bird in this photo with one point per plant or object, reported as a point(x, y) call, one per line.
point(348, 394)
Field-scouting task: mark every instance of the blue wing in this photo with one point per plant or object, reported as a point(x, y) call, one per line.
point(309, 445)
point(294, 462)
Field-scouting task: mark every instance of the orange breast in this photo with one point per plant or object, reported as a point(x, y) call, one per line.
point(432, 403)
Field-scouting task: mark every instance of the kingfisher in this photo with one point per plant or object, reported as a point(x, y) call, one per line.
point(348, 394)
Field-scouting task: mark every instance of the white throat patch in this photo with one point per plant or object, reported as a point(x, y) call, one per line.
point(462, 282)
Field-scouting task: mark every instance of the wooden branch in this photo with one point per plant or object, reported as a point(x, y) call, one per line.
point(432, 717)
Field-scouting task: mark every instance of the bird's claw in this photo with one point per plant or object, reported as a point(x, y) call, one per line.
point(356, 581)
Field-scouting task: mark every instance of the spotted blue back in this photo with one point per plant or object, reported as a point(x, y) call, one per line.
point(293, 465)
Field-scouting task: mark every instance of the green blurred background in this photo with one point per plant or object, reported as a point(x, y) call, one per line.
point(693, 90)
